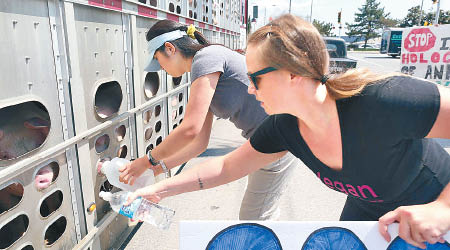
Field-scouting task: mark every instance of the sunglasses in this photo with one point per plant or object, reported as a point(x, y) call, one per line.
point(253, 76)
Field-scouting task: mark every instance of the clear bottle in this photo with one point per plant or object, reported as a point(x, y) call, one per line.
point(111, 170)
point(139, 209)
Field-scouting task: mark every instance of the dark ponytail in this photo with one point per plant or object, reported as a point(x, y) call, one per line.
point(187, 46)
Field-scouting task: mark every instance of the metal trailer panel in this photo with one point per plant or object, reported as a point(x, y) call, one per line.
point(176, 103)
point(99, 43)
point(178, 7)
point(38, 225)
point(146, 86)
point(28, 62)
point(194, 10)
point(176, 108)
point(207, 11)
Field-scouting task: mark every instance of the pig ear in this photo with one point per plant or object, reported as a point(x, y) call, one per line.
point(36, 123)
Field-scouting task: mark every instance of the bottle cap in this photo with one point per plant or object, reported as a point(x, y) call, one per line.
point(105, 195)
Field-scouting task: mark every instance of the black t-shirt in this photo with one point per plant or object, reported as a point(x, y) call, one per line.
point(385, 157)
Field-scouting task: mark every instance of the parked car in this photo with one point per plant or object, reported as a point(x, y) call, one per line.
point(339, 62)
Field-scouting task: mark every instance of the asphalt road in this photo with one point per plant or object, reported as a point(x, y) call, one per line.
point(307, 199)
point(379, 63)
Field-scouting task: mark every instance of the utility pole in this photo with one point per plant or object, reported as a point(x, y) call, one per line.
point(436, 20)
point(420, 14)
point(310, 14)
point(290, 6)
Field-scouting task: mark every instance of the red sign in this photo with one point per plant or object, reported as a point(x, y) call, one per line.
point(173, 17)
point(110, 4)
point(419, 40)
point(145, 11)
point(189, 21)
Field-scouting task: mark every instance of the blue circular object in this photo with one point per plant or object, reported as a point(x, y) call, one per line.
point(246, 236)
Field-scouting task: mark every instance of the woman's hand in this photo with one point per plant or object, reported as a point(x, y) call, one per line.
point(131, 171)
point(149, 193)
point(418, 223)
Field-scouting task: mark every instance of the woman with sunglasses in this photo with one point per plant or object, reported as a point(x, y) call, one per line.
point(219, 87)
point(362, 134)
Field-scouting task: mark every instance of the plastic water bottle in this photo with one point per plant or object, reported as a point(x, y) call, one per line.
point(111, 170)
point(139, 209)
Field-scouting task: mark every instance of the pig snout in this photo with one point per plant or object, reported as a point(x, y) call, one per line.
point(44, 178)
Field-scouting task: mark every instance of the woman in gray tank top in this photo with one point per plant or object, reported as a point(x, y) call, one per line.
point(219, 87)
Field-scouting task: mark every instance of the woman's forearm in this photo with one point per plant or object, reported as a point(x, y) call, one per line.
point(174, 142)
point(209, 174)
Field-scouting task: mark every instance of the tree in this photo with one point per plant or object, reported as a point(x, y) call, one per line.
point(413, 17)
point(323, 27)
point(389, 22)
point(444, 17)
point(367, 21)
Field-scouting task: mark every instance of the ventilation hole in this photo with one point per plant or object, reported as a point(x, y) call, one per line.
point(147, 116)
point(174, 115)
point(180, 121)
point(178, 9)
point(158, 141)
point(174, 101)
point(46, 175)
point(122, 152)
point(151, 84)
point(102, 143)
point(180, 97)
point(28, 247)
point(148, 133)
point(10, 196)
point(171, 7)
point(120, 132)
point(158, 126)
point(108, 99)
point(106, 186)
point(195, 4)
point(203, 18)
point(206, 9)
point(180, 110)
point(51, 204)
point(157, 110)
point(154, 2)
point(142, 1)
point(206, 19)
point(26, 129)
point(195, 15)
point(15, 229)
point(176, 81)
point(149, 147)
point(55, 231)
point(175, 126)
point(190, 13)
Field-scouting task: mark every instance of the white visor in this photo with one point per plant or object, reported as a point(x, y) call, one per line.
point(155, 43)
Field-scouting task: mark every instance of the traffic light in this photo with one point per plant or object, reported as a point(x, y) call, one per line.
point(339, 16)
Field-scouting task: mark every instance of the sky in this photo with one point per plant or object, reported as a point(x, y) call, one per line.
point(326, 10)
